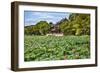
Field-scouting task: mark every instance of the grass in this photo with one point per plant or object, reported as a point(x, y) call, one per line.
point(45, 48)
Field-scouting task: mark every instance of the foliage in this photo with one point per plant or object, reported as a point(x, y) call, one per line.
point(44, 48)
point(76, 24)
point(41, 28)
point(75, 45)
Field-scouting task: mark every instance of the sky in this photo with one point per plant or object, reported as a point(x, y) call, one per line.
point(32, 17)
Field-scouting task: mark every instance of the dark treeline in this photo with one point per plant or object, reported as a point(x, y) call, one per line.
point(76, 24)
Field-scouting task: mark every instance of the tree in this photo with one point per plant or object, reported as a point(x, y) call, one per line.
point(77, 24)
point(65, 27)
point(28, 30)
point(43, 27)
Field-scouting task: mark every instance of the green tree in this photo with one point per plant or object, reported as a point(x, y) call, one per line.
point(43, 27)
point(77, 24)
point(28, 30)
